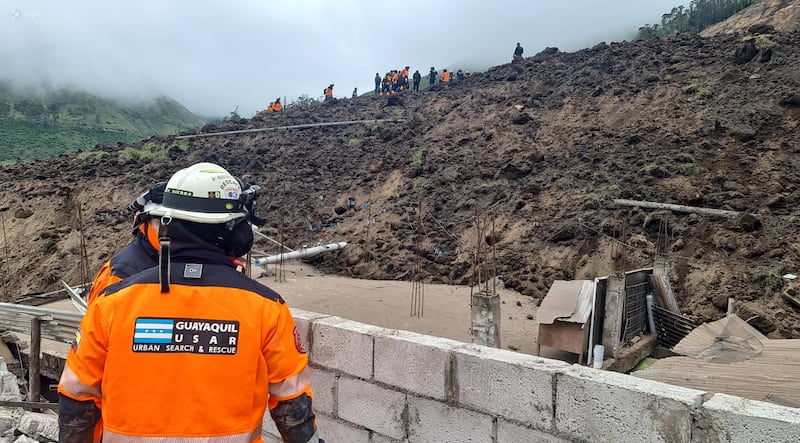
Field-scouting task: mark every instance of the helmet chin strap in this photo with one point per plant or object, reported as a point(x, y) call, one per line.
point(163, 253)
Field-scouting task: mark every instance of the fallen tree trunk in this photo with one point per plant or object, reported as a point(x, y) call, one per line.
point(676, 208)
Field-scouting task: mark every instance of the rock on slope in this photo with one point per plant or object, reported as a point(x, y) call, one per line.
point(533, 152)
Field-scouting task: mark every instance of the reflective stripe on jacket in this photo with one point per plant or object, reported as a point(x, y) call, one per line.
point(198, 362)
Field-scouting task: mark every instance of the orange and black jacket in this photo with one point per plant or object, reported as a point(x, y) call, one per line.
point(277, 107)
point(200, 362)
point(139, 255)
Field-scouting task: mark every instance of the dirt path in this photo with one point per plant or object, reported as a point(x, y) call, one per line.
point(388, 304)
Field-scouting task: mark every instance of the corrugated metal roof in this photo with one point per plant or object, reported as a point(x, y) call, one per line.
point(568, 301)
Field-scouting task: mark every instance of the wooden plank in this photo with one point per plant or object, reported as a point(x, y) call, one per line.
point(794, 300)
point(770, 375)
point(565, 336)
point(28, 404)
point(675, 208)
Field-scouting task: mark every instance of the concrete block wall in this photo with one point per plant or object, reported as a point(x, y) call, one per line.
point(376, 385)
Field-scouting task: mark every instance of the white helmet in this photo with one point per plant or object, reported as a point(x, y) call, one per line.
point(202, 193)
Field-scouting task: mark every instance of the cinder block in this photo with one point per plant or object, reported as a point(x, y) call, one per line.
point(434, 421)
point(41, 427)
point(595, 405)
point(323, 384)
point(509, 384)
point(739, 420)
point(377, 438)
point(333, 431)
point(344, 345)
point(269, 438)
point(8, 421)
point(425, 362)
point(512, 433)
point(9, 389)
point(268, 427)
point(371, 406)
point(304, 320)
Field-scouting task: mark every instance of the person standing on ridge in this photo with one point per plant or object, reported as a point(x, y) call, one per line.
point(432, 76)
point(193, 320)
point(277, 106)
point(518, 52)
point(416, 78)
point(445, 76)
point(329, 92)
point(377, 83)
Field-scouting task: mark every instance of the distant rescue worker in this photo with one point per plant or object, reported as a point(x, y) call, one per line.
point(445, 76)
point(518, 52)
point(329, 92)
point(404, 78)
point(355, 92)
point(148, 342)
point(277, 106)
point(460, 75)
point(377, 83)
point(386, 84)
point(432, 76)
point(416, 78)
point(271, 107)
point(395, 81)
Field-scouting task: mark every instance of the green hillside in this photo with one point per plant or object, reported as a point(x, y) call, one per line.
point(42, 123)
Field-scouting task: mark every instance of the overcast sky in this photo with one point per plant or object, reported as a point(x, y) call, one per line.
point(215, 55)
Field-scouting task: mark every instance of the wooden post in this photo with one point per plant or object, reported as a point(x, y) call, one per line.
point(612, 323)
point(34, 378)
point(676, 208)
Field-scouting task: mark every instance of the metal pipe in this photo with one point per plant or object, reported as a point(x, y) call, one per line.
point(302, 253)
point(308, 125)
point(650, 319)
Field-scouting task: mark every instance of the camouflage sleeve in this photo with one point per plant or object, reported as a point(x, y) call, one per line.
point(295, 420)
point(76, 420)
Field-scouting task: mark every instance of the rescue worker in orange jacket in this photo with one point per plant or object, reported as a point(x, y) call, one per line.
point(138, 255)
point(445, 76)
point(271, 107)
point(277, 106)
point(329, 92)
point(190, 349)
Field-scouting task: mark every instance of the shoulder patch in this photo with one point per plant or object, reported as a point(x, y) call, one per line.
point(297, 342)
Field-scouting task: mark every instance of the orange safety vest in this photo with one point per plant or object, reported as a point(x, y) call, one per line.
point(270, 108)
point(405, 73)
point(395, 77)
point(277, 107)
point(120, 265)
point(329, 92)
point(445, 77)
point(200, 362)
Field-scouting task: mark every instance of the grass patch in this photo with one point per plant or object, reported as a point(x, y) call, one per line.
point(418, 158)
point(767, 276)
point(698, 91)
point(91, 155)
point(688, 169)
point(419, 186)
point(148, 151)
point(762, 41)
point(21, 141)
